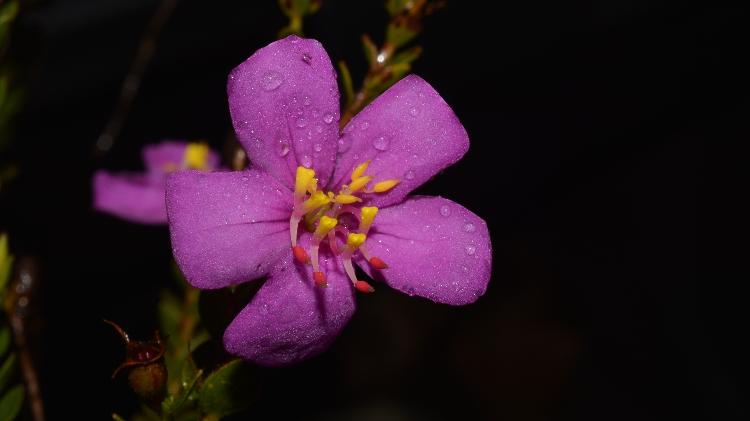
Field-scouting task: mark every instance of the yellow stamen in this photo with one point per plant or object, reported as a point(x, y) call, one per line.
point(304, 176)
point(347, 199)
point(354, 240)
point(360, 170)
point(313, 217)
point(312, 186)
point(359, 183)
point(366, 218)
point(385, 185)
point(196, 156)
point(325, 225)
point(315, 201)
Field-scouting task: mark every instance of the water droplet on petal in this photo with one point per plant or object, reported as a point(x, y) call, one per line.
point(328, 118)
point(283, 149)
point(414, 111)
point(409, 175)
point(317, 147)
point(469, 227)
point(306, 161)
point(272, 80)
point(470, 250)
point(364, 125)
point(301, 122)
point(306, 100)
point(381, 143)
point(306, 58)
point(445, 210)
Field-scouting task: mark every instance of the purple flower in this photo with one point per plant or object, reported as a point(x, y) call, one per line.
point(334, 200)
point(139, 197)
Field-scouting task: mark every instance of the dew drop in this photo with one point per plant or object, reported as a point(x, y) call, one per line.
point(283, 149)
point(409, 175)
point(470, 250)
point(445, 210)
point(306, 100)
point(328, 118)
point(381, 143)
point(272, 80)
point(364, 125)
point(317, 147)
point(306, 58)
point(469, 227)
point(306, 161)
point(301, 122)
point(414, 111)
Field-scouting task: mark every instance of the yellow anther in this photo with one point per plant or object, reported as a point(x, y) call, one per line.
point(312, 186)
point(360, 170)
point(196, 156)
point(325, 225)
point(354, 240)
point(330, 195)
point(315, 201)
point(359, 183)
point(304, 176)
point(366, 218)
point(385, 185)
point(347, 199)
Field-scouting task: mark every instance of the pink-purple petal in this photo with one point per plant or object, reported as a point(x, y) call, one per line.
point(409, 133)
point(165, 156)
point(434, 248)
point(227, 227)
point(284, 104)
point(133, 197)
point(290, 319)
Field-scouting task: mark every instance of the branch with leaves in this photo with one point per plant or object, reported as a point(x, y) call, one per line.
point(390, 61)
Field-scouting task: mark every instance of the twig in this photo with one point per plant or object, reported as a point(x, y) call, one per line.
point(132, 82)
point(17, 305)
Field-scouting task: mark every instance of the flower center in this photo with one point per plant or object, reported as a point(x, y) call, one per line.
point(195, 158)
point(337, 219)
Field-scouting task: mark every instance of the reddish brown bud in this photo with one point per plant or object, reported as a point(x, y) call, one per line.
point(144, 361)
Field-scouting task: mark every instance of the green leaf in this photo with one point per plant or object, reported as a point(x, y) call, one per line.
point(170, 311)
point(8, 13)
point(346, 82)
point(399, 35)
point(370, 49)
point(176, 403)
point(407, 56)
point(11, 403)
point(4, 340)
point(395, 7)
point(230, 389)
point(7, 370)
point(6, 262)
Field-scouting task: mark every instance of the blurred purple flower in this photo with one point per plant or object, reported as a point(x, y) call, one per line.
point(336, 200)
point(139, 197)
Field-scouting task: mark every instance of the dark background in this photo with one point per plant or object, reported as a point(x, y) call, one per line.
point(588, 123)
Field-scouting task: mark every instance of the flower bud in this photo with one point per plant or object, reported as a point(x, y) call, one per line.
point(144, 362)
